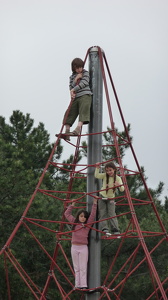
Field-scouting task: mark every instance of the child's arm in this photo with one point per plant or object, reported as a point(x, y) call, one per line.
point(73, 94)
point(83, 82)
point(75, 82)
point(93, 211)
point(68, 213)
point(119, 184)
point(98, 164)
point(97, 174)
point(95, 200)
point(79, 76)
point(72, 83)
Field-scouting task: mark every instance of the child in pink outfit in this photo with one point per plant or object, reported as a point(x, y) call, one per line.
point(79, 248)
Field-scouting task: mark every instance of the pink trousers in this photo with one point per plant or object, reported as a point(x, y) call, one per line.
point(79, 255)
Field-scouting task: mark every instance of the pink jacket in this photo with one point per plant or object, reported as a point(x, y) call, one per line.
point(80, 235)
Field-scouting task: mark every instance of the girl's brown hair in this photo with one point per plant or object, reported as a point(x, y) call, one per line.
point(110, 165)
point(76, 63)
point(86, 215)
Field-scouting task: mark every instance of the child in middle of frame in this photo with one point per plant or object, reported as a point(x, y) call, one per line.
point(79, 248)
point(106, 204)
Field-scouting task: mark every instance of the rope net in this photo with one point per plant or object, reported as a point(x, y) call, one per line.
point(119, 262)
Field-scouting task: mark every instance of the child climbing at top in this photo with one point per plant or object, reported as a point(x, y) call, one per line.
point(106, 206)
point(81, 95)
point(79, 248)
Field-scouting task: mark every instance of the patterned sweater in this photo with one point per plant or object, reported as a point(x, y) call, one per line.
point(81, 88)
point(110, 193)
point(80, 235)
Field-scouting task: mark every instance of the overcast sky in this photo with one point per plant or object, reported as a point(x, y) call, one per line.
point(39, 39)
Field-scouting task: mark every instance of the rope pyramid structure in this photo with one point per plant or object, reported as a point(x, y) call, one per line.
point(115, 276)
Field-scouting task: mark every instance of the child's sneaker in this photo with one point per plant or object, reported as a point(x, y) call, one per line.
point(108, 234)
point(106, 231)
point(116, 231)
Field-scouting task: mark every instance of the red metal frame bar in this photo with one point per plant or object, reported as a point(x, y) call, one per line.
point(21, 275)
point(7, 276)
